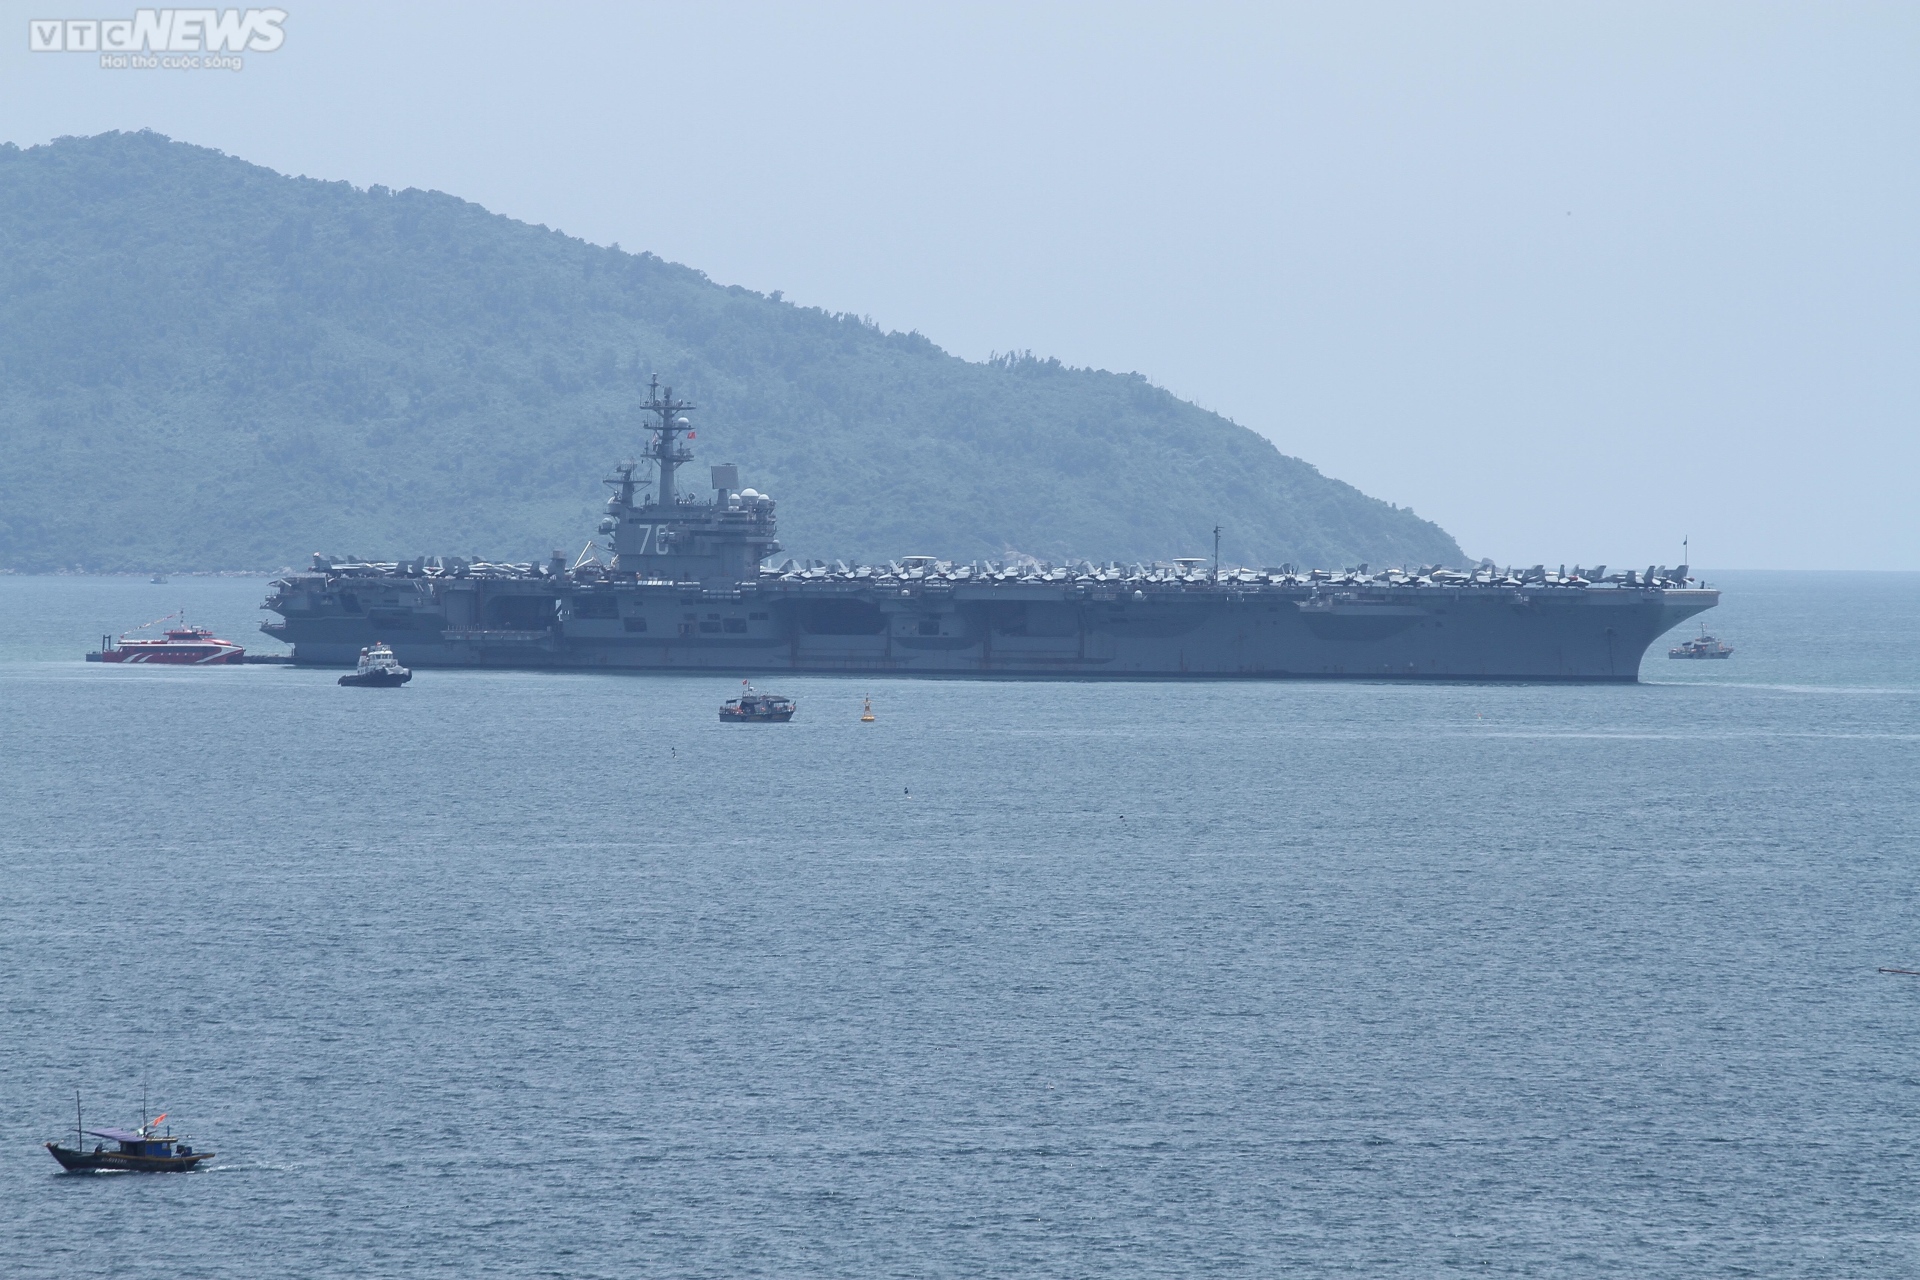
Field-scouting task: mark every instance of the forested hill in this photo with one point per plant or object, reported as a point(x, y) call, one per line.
point(205, 364)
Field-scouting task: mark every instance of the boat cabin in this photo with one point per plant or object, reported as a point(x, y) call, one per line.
point(151, 1145)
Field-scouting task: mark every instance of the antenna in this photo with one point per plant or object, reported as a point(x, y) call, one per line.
point(666, 453)
point(1216, 553)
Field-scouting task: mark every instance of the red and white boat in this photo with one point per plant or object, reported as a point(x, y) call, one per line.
point(183, 645)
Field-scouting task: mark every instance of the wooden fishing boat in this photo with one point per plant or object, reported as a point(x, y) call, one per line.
point(143, 1150)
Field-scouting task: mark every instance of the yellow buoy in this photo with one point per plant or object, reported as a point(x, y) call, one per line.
point(866, 712)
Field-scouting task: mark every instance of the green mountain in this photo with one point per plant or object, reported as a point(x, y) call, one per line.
point(206, 364)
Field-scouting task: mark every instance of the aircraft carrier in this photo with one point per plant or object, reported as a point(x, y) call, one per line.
point(681, 584)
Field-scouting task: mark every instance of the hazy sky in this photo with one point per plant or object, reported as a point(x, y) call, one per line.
point(1572, 280)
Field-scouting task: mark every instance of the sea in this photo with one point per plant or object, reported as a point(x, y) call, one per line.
point(527, 974)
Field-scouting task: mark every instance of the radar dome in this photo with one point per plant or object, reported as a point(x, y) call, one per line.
point(681, 422)
point(749, 494)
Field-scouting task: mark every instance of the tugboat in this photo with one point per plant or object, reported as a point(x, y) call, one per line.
point(183, 646)
point(756, 707)
point(142, 1150)
point(1701, 646)
point(378, 669)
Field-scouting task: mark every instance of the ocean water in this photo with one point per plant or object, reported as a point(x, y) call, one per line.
point(510, 974)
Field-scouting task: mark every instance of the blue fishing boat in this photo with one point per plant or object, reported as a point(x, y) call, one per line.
point(144, 1150)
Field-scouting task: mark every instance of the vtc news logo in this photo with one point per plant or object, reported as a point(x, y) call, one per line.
point(140, 40)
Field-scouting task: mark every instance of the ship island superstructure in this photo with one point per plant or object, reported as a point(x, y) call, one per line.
point(685, 585)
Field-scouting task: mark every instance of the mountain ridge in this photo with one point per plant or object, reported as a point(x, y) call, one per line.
point(273, 365)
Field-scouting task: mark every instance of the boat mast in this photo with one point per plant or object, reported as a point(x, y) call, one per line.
point(666, 452)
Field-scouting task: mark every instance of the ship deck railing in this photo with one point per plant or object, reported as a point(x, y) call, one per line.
point(1130, 578)
point(1203, 586)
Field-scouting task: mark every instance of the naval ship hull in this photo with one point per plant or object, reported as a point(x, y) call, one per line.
point(685, 588)
point(1541, 632)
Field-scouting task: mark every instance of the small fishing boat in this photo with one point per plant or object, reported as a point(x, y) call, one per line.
point(1701, 646)
point(183, 645)
point(756, 707)
point(143, 1150)
point(378, 669)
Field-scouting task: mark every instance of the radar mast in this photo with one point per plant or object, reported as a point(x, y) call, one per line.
point(665, 449)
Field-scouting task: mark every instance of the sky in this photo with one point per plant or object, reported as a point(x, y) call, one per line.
point(1577, 281)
